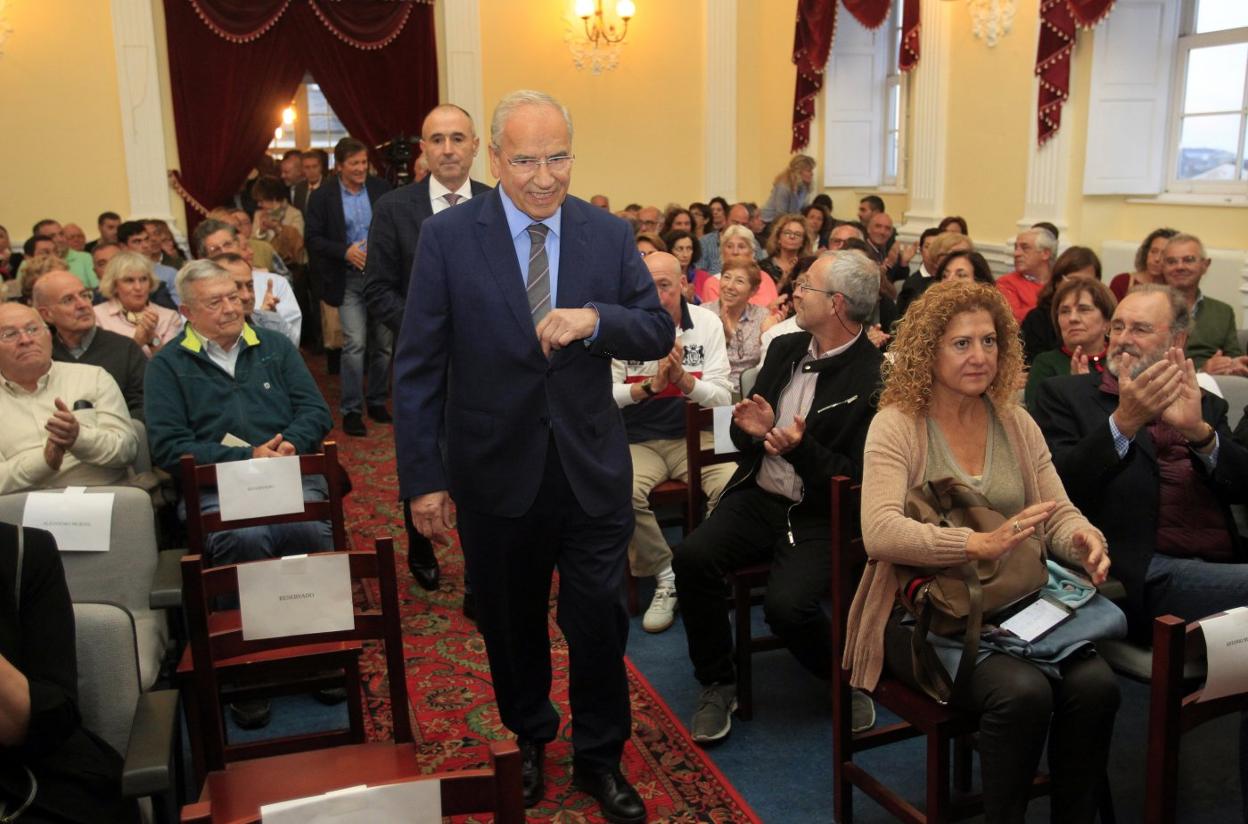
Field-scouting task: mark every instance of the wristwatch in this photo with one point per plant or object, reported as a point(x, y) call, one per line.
point(648, 389)
point(1205, 441)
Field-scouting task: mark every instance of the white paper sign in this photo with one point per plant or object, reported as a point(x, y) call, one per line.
point(413, 802)
point(721, 417)
point(79, 522)
point(1226, 642)
point(259, 487)
point(295, 595)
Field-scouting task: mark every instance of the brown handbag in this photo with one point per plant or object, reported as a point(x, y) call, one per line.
point(953, 601)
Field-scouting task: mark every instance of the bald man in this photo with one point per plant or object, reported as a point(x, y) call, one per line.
point(66, 424)
point(652, 396)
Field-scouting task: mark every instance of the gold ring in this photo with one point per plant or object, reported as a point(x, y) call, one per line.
point(1017, 528)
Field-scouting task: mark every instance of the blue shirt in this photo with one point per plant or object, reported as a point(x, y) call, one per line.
point(357, 211)
point(168, 275)
point(518, 224)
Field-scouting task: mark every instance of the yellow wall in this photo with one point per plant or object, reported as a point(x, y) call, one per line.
point(63, 154)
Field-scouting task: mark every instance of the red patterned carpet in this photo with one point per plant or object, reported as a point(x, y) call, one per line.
point(449, 681)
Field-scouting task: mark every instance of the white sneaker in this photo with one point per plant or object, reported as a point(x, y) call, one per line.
point(662, 610)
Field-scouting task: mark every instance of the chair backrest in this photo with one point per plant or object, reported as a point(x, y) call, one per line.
point(216, 632)
point(698, 418)
point(748, 379)
point(1235, 392)
point(142, 458)
point(108, 670)
point(196, 477)
point(848, 556)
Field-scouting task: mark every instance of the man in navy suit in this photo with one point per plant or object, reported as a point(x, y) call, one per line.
point(450, 143)
point(524, 294)
point(336, 236)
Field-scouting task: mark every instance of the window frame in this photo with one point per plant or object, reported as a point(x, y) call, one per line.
point(895, 79)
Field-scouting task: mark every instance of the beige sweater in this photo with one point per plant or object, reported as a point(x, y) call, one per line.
point(894, 461)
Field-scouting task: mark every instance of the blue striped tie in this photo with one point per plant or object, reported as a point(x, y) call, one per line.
point(538, 283)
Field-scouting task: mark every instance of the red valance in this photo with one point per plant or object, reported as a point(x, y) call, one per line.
point(1059, 25)
point(234, 64)
point(910, 28)
point(870, 13)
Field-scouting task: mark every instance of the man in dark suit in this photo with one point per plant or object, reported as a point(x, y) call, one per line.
point(525, 294)
point(450, 143)
point(1148, 458)
point(336, 236)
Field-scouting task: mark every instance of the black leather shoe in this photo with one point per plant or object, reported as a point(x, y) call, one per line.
point(619, 802)
point(380, 414)
point(470, 606)
point(531, 755)
point(252, 714)
point(353, 424)
point(423, 564)
point(331, 695)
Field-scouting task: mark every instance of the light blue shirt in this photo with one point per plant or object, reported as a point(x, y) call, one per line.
point(357, 211)
point(1122, 443)
point(168, 276)
point(518, 224)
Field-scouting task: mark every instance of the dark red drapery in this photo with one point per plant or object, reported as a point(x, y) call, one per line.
point(1059, 27)
point(234, 64)
point(812, 43)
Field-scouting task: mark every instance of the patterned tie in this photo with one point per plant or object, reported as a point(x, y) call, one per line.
point(452, 198)
point(539, 273)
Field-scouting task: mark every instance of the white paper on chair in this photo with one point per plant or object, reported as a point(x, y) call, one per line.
point(79, 522)
point(722, 418)
point(259, 487)
point(1226, 643)
point(412, 802)
point(295, 595)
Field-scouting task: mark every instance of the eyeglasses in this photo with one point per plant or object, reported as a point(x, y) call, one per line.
point(793, 235)
point(1137, 330)
point(217, 304)
point(806, 287)
point(32, 331)
point(1186, 260)
point(530, 165)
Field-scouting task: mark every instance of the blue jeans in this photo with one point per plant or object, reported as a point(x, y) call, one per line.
point(258, 543)
point(362, 336)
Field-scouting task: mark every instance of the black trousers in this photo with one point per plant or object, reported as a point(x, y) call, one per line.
point(1019, 707)
point(510, 562)
point(748, 527)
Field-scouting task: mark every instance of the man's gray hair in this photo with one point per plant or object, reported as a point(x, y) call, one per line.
point(1044, 239)
point(856, 277)
point(1180, 313)
point(211, 227)
point(524, 97)
point(1184, 237)
point(197, 270)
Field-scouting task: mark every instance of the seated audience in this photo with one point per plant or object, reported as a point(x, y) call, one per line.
point(134, 236)
point(127, 285)
point(891, 254)
point(648, 244)
point(701, 214)
point(1081, 310)
point(917, 282)
point(107, 224)
point(712, 242)
point(277, 309)
point(791, 188)
point(77, 262)
point(954, 223)
point(1213, 341)
point(649, 219)
point(9, 259)
point(66, 424)
point(54, 769)
point(601, 201)
point(164, 247)
point(276, 408)
point(965, 265)
point(1034, 250)
point(1148, 263)
point(806, 422)
point(676, 220)
point(276, 221)
point(884, 315)
point(75, 238)
point(64, 303)
point(739, 247)
point(103, 252)
point(685, 247)
point(35, 268)
point(868, 207)
point(719, 213)
point(818, 224)
point(947, 411)
point(743, 320)
point(652, 398)
point(1039, 332)
point(787, 242)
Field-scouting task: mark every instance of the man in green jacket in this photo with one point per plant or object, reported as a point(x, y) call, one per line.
point(1213, 344)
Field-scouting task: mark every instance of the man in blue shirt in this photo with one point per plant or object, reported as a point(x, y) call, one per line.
point(336, 235)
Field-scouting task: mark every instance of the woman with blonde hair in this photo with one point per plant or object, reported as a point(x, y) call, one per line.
point(947, 413)
point(792, 188)
point(788, 242)
point(128, 282)
point(35, 268)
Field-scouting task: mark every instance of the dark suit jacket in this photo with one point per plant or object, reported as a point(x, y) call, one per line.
point(392, 239)
point(468, 359)
point(1121, 496)
point(325, 235)
point(299, 197)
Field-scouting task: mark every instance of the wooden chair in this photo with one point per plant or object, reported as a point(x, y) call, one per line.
point(919, 714)
point(234, 790)
point(1174, 709)
point(748, 585)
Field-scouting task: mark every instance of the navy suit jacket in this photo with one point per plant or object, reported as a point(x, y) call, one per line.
point(392, 239)
point(1122, 496)
point(468, 362)
point(325, 235)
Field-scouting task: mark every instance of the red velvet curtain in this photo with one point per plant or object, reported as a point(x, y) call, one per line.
point(909, 57)
point(234, 64)
point(1059, 27)
point(812, 43)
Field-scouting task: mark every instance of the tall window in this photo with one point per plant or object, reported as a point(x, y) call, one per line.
point(1210, 99)
point(895, 92)
point(315, 125)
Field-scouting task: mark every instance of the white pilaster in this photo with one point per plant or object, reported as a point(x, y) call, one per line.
point(142, 122)
point(721, 99)
point(1048, 173)
point(463, 71)
point(930, 88)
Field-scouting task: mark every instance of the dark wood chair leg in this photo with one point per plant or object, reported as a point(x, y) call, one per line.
point(937, 777)
point(633, 599)
point(745, 680)
point(963, 759)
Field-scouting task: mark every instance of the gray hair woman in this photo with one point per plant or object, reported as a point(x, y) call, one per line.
point(128, 282)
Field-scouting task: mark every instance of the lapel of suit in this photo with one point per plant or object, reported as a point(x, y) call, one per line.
point(424, 209)
point(500, 255)
point(336, 211)
point(573, 259)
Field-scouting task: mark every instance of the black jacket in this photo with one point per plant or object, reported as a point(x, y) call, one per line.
point(325, 236)
point(117, 355)
point(846, 392)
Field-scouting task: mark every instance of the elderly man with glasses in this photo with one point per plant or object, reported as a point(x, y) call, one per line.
point(66, 424)
point(1213, 343)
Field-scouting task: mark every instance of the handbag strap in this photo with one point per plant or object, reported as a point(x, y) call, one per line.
point(929, 672)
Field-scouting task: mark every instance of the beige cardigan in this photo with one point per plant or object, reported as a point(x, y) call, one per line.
point(894, 461)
